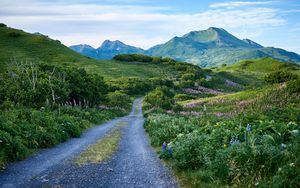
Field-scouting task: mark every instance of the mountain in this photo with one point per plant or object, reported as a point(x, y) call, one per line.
point(206, 48)
point(215, 46)
point(107, 50)
point(85, 49)
point(252, 43)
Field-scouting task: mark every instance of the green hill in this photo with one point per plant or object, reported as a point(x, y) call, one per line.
point(260, 66)
point(21, 46)
point(17, 44)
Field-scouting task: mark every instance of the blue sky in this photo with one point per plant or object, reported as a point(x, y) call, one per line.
point(145, 23)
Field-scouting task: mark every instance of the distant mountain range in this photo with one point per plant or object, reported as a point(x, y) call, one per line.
point(107, 50)
point(207, 48)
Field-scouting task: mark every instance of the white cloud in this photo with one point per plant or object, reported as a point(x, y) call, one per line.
point(235, 4)
point(136, 25)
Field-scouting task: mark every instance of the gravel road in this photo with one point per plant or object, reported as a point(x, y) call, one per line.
point(135, 164)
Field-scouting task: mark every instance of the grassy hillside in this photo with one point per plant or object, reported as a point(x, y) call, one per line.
point(260, 66)
point(21, 46)
point(219, 134)
point(111, 69)
point(18, 44)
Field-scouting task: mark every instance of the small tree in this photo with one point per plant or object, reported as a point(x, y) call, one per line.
point(118, 99)
point(160, 97)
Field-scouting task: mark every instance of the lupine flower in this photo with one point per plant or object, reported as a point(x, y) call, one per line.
point(248, 128)
point(164, 146)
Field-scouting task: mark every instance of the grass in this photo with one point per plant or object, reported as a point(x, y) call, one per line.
point(17, 44)
point(111, 69)
point(222, 101)
point(102, 149)
point(260, 66)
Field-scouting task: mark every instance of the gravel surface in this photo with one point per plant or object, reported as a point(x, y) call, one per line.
point(135, 164)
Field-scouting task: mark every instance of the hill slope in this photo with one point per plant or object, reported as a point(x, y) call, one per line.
point(20, 45)
point(17, 44)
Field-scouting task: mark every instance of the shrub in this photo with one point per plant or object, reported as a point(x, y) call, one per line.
point(161, 97)
point(280, 76)
point(14, 34)
point(293, 86)
point(119, 99)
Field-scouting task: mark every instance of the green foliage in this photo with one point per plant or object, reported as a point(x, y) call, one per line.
point(294, 85)
point(280, 76)
point(142, 58)
point(39, 85)
point(220, 151)
point(23, 130)
point(207, 147)
point(119, 99)
point(43, 105)
point(161, 97)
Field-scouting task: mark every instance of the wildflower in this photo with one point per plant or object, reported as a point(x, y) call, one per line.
point(248, 128)
point(225, 145)
point(234, 140)
point(292, 164)
point(279, 169)
point(164, 146)
point(257, 183)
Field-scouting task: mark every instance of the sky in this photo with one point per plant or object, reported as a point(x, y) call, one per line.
point(145, 23)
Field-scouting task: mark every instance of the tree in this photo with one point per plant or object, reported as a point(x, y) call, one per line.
point(160, 97)
point(119, 99)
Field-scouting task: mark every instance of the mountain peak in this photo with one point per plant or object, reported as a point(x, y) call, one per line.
point(109, 43)
point(81, 48)
point(217, 29)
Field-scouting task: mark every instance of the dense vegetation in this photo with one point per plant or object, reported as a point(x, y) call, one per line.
point(247, 138)
point(42, 105)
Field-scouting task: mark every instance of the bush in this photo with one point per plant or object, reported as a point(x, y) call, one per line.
point(293, 86)
point(161, 97)
point(119, 99)
point(192, 151)
point(14, 34)
point(280, 76)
